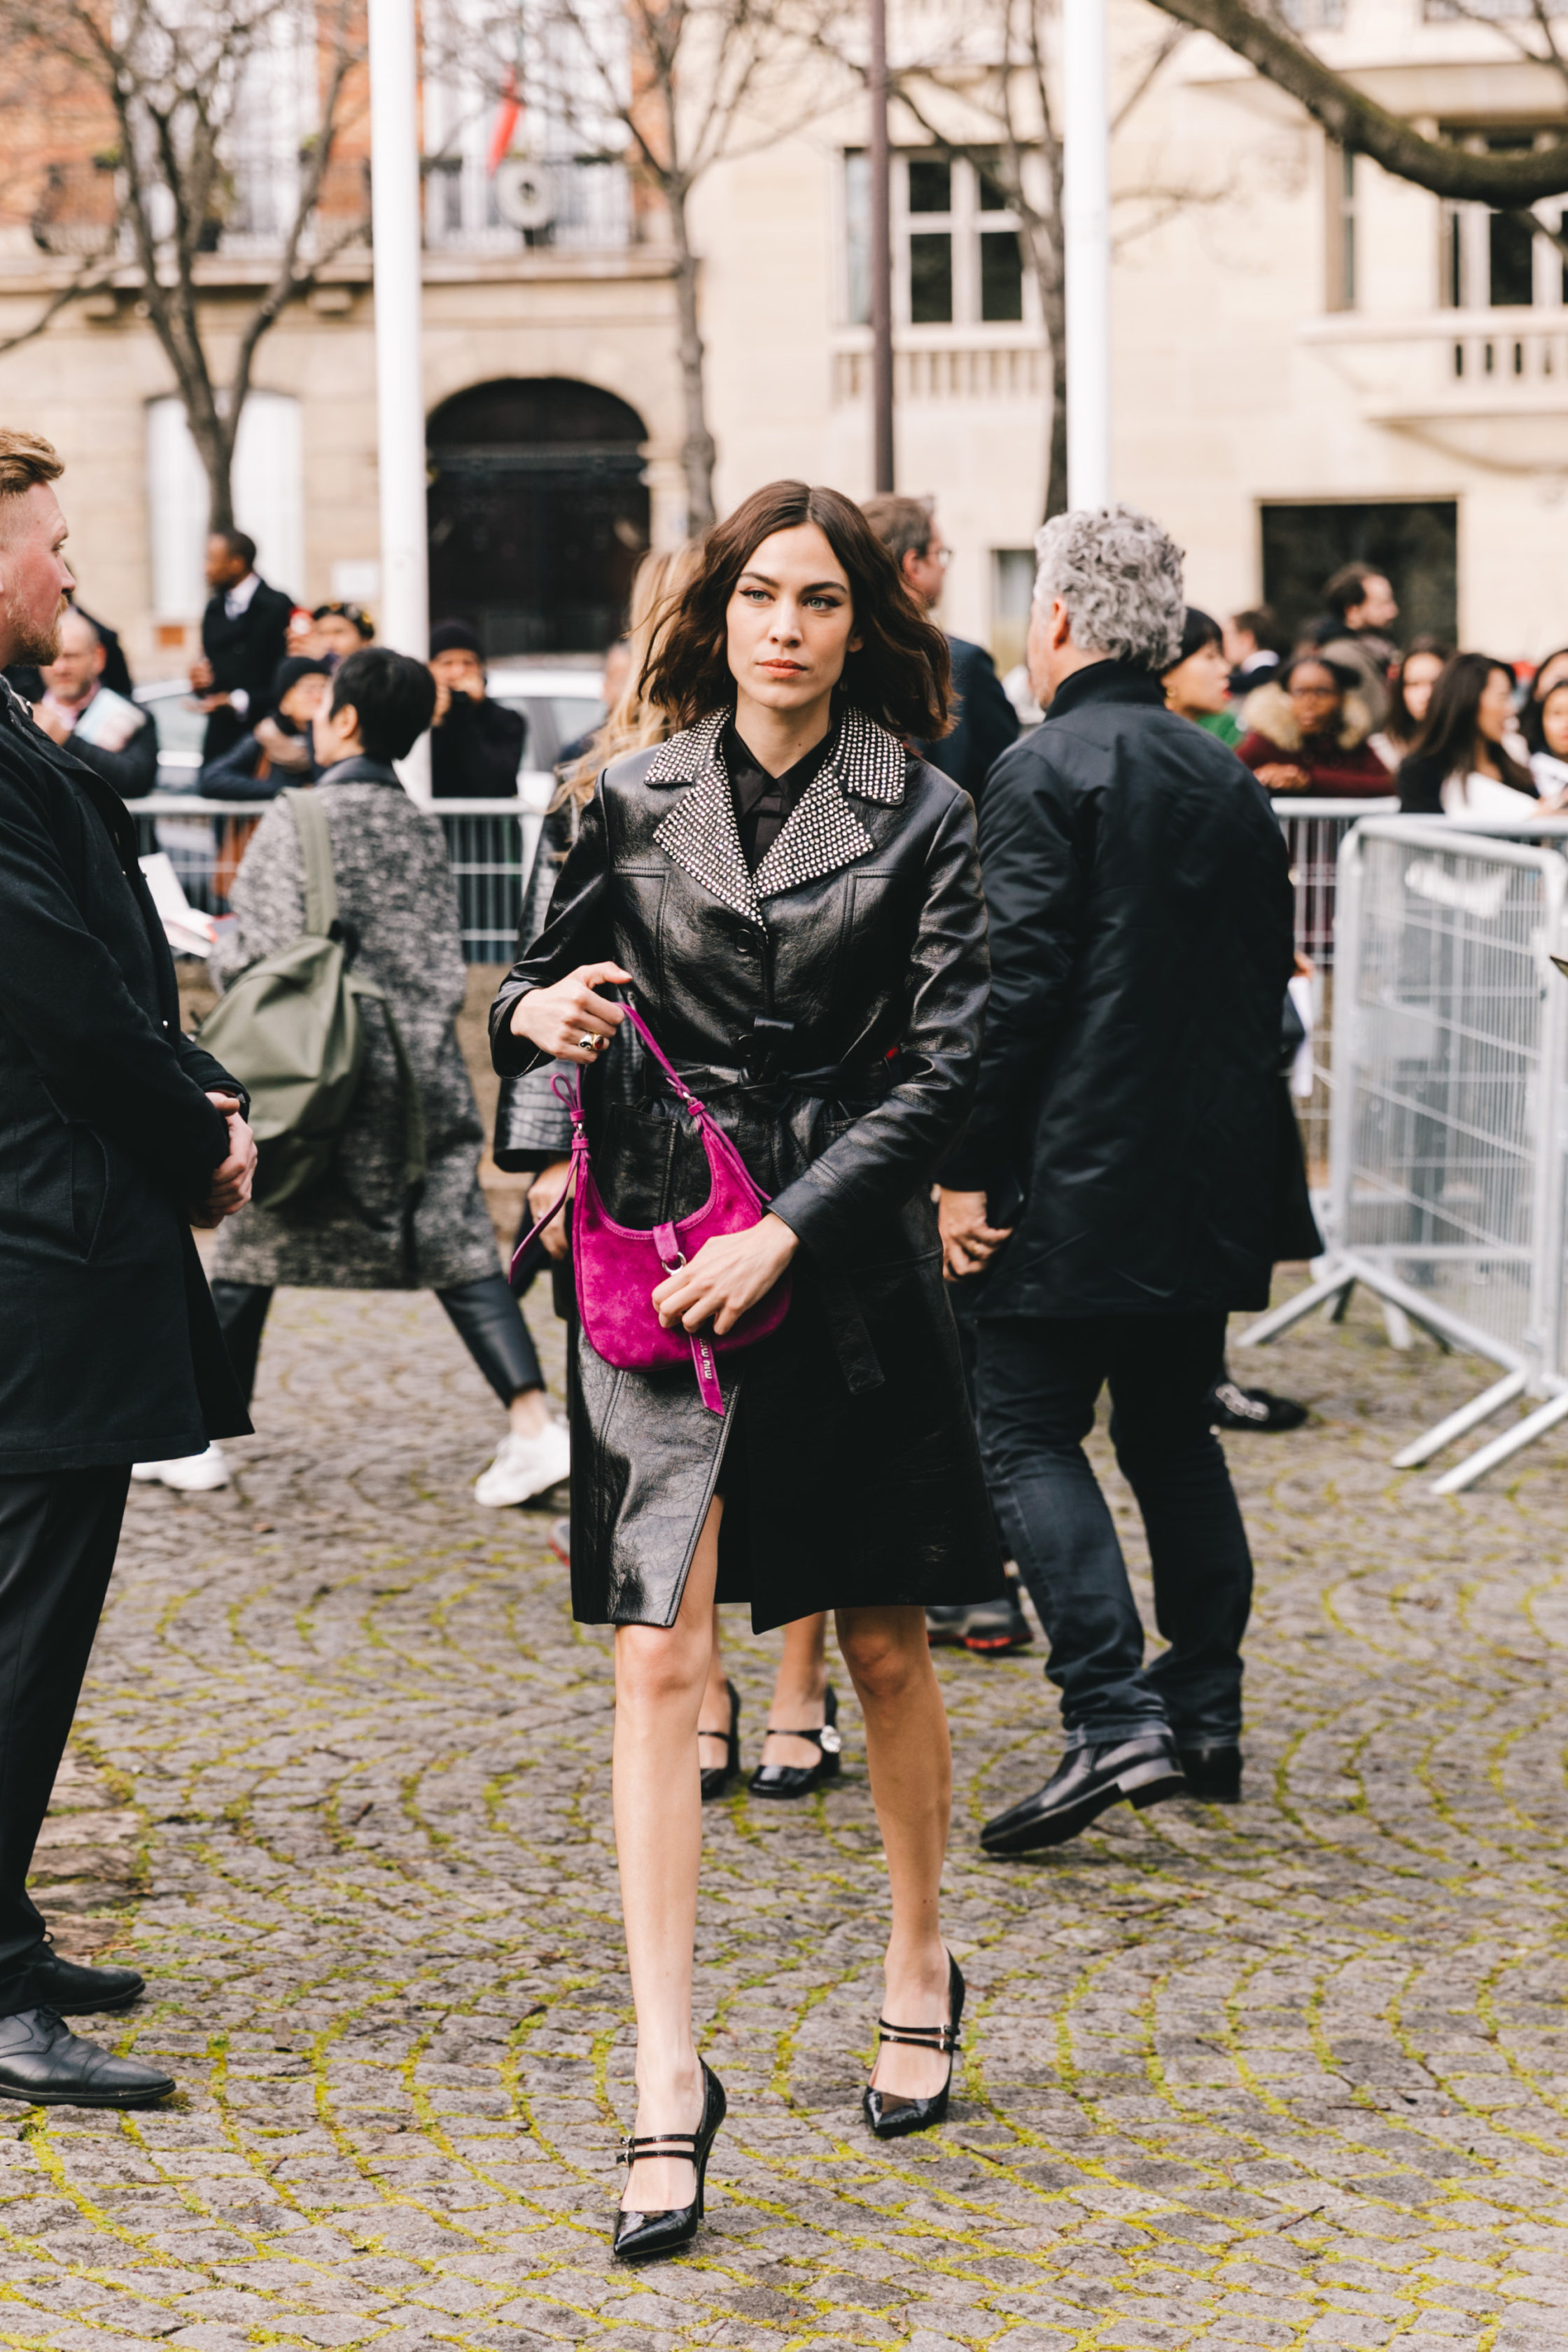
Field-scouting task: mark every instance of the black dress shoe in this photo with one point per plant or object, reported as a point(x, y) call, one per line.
point(639, 2236)
point(892, 2117)
point(989, 1628)
point(1233, 1407)
point(716, 1777)
point(72, 1990)
point(1144, 1769)
point(799, 1780)
point(41, 2060)
point(1213, 1770)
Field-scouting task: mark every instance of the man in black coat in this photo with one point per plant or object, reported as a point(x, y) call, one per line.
point(476, 745)
point(1114, 1193)
point(245, 636)
point(116, 1131)
point(984, 722)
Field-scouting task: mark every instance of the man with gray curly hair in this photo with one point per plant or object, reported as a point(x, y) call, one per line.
point(1115, 1193)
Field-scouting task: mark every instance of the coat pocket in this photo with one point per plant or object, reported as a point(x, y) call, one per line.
point(89, 1186)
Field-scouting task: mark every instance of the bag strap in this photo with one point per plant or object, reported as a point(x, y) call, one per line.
point(416, 1145)
point(652, 1044)
point(316, 847)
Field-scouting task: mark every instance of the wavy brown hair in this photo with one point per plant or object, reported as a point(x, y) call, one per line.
point(634, 723)
point(900, 677)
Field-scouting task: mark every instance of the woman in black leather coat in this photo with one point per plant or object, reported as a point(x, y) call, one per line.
point(795, 902)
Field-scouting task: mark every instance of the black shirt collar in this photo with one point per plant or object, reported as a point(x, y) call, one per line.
point(764, 803)
point(1107, 681)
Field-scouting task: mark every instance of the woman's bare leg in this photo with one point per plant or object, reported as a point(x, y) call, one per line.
point(714, 1716)
point(661, 1673)
point(798, 1689)
point(908, 1749)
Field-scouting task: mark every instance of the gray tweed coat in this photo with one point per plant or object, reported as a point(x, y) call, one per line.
point(357, 1231)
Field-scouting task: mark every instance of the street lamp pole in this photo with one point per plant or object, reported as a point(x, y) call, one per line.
point(399, 377)
point(1086, 209)
point(882, 258)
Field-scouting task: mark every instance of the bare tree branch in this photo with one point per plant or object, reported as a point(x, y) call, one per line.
point(1509, 181)
point(171, 77)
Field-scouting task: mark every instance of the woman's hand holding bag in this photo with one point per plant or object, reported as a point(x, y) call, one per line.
point(737, 1275)
point(727, 1275)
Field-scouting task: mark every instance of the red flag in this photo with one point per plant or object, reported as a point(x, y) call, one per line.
point(508, 115)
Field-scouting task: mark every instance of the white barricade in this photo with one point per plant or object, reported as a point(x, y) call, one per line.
point(489, 841)
point(1448, 1160)
point(1313, 830)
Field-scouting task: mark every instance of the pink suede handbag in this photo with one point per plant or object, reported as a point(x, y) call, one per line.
point(618, 1267)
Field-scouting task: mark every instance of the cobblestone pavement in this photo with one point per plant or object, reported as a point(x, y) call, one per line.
point(1287, 2074)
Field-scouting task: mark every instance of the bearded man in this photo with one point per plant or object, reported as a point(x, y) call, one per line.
point(116, 1133)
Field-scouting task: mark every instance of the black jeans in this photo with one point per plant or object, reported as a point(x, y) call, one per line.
point(59, 1533)
point(1039, 1381)
point(488, 1318)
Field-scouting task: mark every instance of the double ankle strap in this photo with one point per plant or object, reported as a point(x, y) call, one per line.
point(920, 2037)
point(660, 2144)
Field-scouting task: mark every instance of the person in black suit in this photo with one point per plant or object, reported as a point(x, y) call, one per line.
point(245, 636)
point(985, 723)
point(116, 1131)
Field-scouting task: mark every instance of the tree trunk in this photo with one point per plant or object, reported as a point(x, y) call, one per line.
point(697, 451)
point(215, 436)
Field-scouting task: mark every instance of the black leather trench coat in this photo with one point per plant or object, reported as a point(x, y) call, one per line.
point(828, 1011)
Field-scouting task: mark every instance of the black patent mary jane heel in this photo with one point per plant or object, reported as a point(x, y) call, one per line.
point(716, 1777)
point(641, 2237)
point(892, 2117)
point(790, 1781)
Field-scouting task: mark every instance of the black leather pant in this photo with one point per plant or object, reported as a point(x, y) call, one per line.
point(488, 1318)
point(59, 1533)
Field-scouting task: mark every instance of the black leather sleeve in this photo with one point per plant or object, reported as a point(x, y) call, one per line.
point(533, 1126)
point(1033, 892)
point(891, 1151)
point(578, 932)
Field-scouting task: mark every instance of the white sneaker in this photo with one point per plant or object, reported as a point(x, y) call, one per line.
point(192, 1474)
point(524, 1467)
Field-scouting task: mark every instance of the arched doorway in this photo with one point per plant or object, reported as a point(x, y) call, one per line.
point(537, 513)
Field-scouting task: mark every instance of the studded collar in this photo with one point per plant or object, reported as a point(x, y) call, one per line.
point(823, 832)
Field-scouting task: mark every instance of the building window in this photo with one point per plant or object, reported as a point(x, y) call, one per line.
point(268, 501)
point(573, 191)
point(1493, 260)
point(1012, 592)
point(1341, 185)
point(956, 256)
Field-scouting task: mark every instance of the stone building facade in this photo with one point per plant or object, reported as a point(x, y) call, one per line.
point(1311, 360)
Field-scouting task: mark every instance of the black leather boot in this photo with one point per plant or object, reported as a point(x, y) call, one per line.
point(42, 2060)
point(72, 1990)
point(1143, 1768)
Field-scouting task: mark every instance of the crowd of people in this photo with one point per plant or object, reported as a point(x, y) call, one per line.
point(890, 1079)
point(1345, 712)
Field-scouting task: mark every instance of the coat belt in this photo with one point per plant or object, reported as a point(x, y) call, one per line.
point(858, 1086)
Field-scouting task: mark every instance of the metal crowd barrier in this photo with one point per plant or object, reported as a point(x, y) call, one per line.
point(1314, 830)
point(1448, 1166)
point(489, 841)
